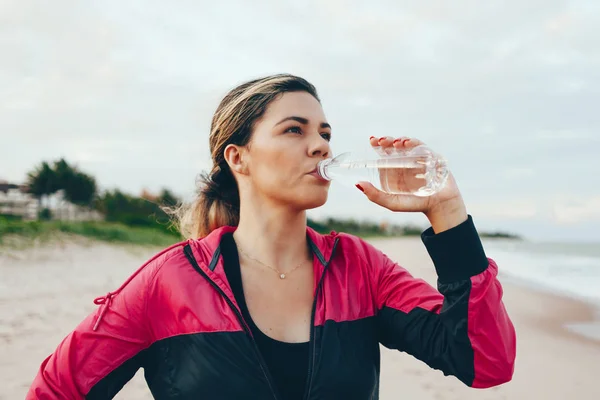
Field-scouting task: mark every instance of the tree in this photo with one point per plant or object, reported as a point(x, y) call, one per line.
point(42, 182)
point(79, 188)
point(63, 172)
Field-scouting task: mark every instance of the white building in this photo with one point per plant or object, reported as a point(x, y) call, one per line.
point(63, 210)
point(14, 200)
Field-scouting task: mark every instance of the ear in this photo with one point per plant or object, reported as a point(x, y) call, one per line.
point(235, 156)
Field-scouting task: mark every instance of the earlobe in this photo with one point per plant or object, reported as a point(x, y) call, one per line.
point(239, 168)
point(242, 166)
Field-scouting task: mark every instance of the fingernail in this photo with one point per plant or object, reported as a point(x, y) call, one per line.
point(380, 140)
point(396, 141)
point(405, 140)
point(372, 137)
point(360, 188)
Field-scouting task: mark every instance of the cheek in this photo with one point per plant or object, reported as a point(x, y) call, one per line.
point(274, 164)
point(273, 171)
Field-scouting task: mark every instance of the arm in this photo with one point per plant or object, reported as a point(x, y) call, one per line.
point(462, 330)
point(104, 352)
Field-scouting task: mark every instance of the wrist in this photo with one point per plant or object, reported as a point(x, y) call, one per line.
point(447, 215)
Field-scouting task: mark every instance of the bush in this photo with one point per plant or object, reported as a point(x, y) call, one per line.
point(137, 211)
point(45, 214)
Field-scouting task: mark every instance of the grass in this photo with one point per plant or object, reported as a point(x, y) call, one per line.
point(103, 231)
point(18, 231)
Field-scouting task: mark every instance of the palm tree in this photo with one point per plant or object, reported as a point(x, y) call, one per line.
point(79, 188)
point(42, 182)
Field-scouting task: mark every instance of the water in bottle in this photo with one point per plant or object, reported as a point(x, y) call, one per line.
point(418, 171)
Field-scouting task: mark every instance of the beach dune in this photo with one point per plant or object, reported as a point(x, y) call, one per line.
point(46, 290)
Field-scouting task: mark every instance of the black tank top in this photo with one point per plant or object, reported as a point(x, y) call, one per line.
point(287, 362)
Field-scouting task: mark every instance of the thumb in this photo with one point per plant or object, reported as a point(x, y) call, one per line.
point(375, 195)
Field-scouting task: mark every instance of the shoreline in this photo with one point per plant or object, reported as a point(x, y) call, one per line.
point(577, 316)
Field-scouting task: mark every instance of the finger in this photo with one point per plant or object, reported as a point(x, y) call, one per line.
point(386, 144)
point(374, 141)
point(385, 141)
point(393, 202)
point(398, 144)
point(374, 194)
point(410, 143)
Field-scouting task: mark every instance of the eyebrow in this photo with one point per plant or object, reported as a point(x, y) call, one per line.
point(301, 120)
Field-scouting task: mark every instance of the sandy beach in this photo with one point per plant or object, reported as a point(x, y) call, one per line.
point(46, 290)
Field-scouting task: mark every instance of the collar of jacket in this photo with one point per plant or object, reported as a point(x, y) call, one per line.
point(207, 253)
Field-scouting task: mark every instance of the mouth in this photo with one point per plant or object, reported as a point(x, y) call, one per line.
point(315, 173)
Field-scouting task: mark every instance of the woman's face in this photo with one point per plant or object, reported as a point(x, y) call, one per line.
point(287, 143)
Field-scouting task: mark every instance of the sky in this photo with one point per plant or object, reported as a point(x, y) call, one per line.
point(506, 91)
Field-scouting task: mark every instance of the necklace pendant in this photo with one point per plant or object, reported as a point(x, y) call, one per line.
point(282, 276)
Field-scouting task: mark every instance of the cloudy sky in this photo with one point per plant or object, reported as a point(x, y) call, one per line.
point(506, 90)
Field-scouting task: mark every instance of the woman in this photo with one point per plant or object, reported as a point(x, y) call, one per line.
point(255, 305)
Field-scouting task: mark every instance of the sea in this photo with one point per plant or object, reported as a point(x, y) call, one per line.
point(563, 268)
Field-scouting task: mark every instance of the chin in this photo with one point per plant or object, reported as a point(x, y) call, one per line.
point(313, 199)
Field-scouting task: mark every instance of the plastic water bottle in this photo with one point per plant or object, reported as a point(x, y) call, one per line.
point(418, 171)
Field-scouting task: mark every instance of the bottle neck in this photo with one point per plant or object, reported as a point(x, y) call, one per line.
point(322, 168)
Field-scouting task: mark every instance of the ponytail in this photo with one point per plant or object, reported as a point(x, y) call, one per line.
point(217, 204)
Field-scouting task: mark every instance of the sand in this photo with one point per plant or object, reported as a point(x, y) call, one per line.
point(45, 291)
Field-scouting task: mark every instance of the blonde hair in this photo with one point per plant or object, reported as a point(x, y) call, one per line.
point(217, 202)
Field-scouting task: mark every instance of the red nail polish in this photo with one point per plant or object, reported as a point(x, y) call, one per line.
point(396, 141)
point(372, 137)
point(360, 188)
point(380, 140)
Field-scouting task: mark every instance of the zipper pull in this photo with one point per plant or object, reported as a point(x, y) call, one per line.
point(104, 302)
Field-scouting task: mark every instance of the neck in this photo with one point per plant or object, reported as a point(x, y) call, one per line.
point(274, 235)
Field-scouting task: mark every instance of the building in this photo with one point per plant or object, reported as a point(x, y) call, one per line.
point(63, 210)
point(15, 201)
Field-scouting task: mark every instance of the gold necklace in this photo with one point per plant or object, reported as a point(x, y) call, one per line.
point(281, 274)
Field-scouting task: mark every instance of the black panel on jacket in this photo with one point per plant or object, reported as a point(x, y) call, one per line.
point(441, 340)
point(110, 385)
point(217, 365)
point(223, 365)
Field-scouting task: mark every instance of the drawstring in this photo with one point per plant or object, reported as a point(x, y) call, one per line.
point(104, 301)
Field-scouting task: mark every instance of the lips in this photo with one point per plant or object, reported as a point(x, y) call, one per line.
point(315, 173)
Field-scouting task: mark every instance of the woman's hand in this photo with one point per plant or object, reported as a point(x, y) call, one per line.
point(444, 209)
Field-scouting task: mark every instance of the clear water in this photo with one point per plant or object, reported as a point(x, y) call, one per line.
point(571, 269)
point(568, 269)
point(416, 174)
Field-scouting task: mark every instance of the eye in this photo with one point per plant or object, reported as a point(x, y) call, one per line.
point(326, 136)
point(294, 129)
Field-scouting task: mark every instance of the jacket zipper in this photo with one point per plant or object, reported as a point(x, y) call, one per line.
point(190, 256)
point(312, 353)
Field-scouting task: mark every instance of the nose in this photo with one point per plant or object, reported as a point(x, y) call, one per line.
point(319, 147)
